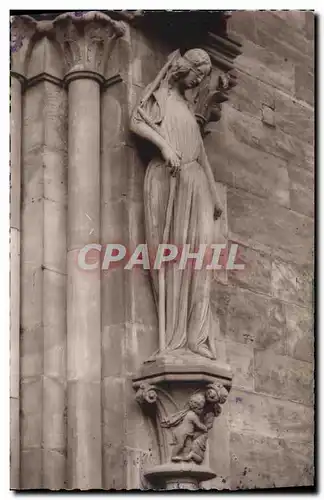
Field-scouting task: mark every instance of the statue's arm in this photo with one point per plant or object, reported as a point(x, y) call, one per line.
point(142, 124)
point(198, 423)
point(147, 131)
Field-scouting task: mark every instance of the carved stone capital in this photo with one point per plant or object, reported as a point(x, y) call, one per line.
point(86, 40)
point(182, 394)
point(22, 31)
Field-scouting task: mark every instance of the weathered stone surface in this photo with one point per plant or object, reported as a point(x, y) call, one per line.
point(84, 444)
point(114, 473)
point(31, 412)
point(45, 174)
point(31, 469)
point(148, 56)
point(15, 311)
point(300, 332)
point(136, 460)
point(292, 283)
point(294, 118)
point(249, 130)
point(33, 126)
point(54, 465)
point(244, 166)
point(310, 25)
point(45, 58)
point(287, 41)
point(114, 217)
point(15, 151)
point(55, 224)
point(283, 377)
point(256, 274)
point(263, 462)
point(302, 187)
point(113, 402)
point(31, 347)
point(83, 317)
point(304, 84)
point(294, 18)
point(276, 230)
point(54, 324)
point(141, 341)
point(54, 411)
point(263, 415)
point(14, 443)
point(32, 293)
point(220, 299)
point(255, 319)
point(219, 439)
point(113, 350)
point(243, 24)
point(271, 68)
point(240, 358)
point(145, 310)
point(114, 296)
point(84, 151)
point(246, 96)
point(115, 115)
point(55, 117)
point(268, 116)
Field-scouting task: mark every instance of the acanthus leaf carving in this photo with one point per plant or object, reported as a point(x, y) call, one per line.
point(207, 106)
point(87, 39)
point(22, 31)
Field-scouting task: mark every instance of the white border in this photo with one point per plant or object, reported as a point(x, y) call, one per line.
point(4, 180)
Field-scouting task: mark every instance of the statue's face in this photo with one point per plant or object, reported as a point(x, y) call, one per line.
point(192, 79)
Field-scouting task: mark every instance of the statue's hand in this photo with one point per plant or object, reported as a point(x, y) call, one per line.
point(172, 159)
point(217, 213)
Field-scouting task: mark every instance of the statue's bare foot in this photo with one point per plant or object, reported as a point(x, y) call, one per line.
point(188, 457)
point(176, 459)
point(203, 351)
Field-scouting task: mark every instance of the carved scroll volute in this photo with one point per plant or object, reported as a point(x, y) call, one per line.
point(87, 40)
point(22, 31)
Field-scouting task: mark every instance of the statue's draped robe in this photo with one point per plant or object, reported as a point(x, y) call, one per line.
point(188, 315)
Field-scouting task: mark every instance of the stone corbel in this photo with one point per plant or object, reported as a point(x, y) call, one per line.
point(183, 395)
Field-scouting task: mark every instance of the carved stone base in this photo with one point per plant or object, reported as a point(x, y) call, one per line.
point(182, 393)
point(171, 476)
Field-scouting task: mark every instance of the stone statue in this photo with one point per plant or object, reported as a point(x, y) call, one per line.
point(181, 201)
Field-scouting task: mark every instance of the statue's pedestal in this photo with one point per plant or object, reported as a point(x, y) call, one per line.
point(170, 388)
point(183, 476)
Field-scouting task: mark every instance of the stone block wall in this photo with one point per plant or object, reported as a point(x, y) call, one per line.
point(262, 154)
point(262, 151)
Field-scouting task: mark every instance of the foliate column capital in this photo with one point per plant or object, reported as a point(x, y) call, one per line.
point(86, 40)
point(22, 31)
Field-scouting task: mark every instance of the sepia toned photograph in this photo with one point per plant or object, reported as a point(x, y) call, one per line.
point(162, 250)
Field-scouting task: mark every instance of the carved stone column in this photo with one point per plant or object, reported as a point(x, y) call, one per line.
point(86, 41)
point(22, 30)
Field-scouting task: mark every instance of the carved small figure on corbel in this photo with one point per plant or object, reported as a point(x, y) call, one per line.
point(190, 426)
point(185, 425)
